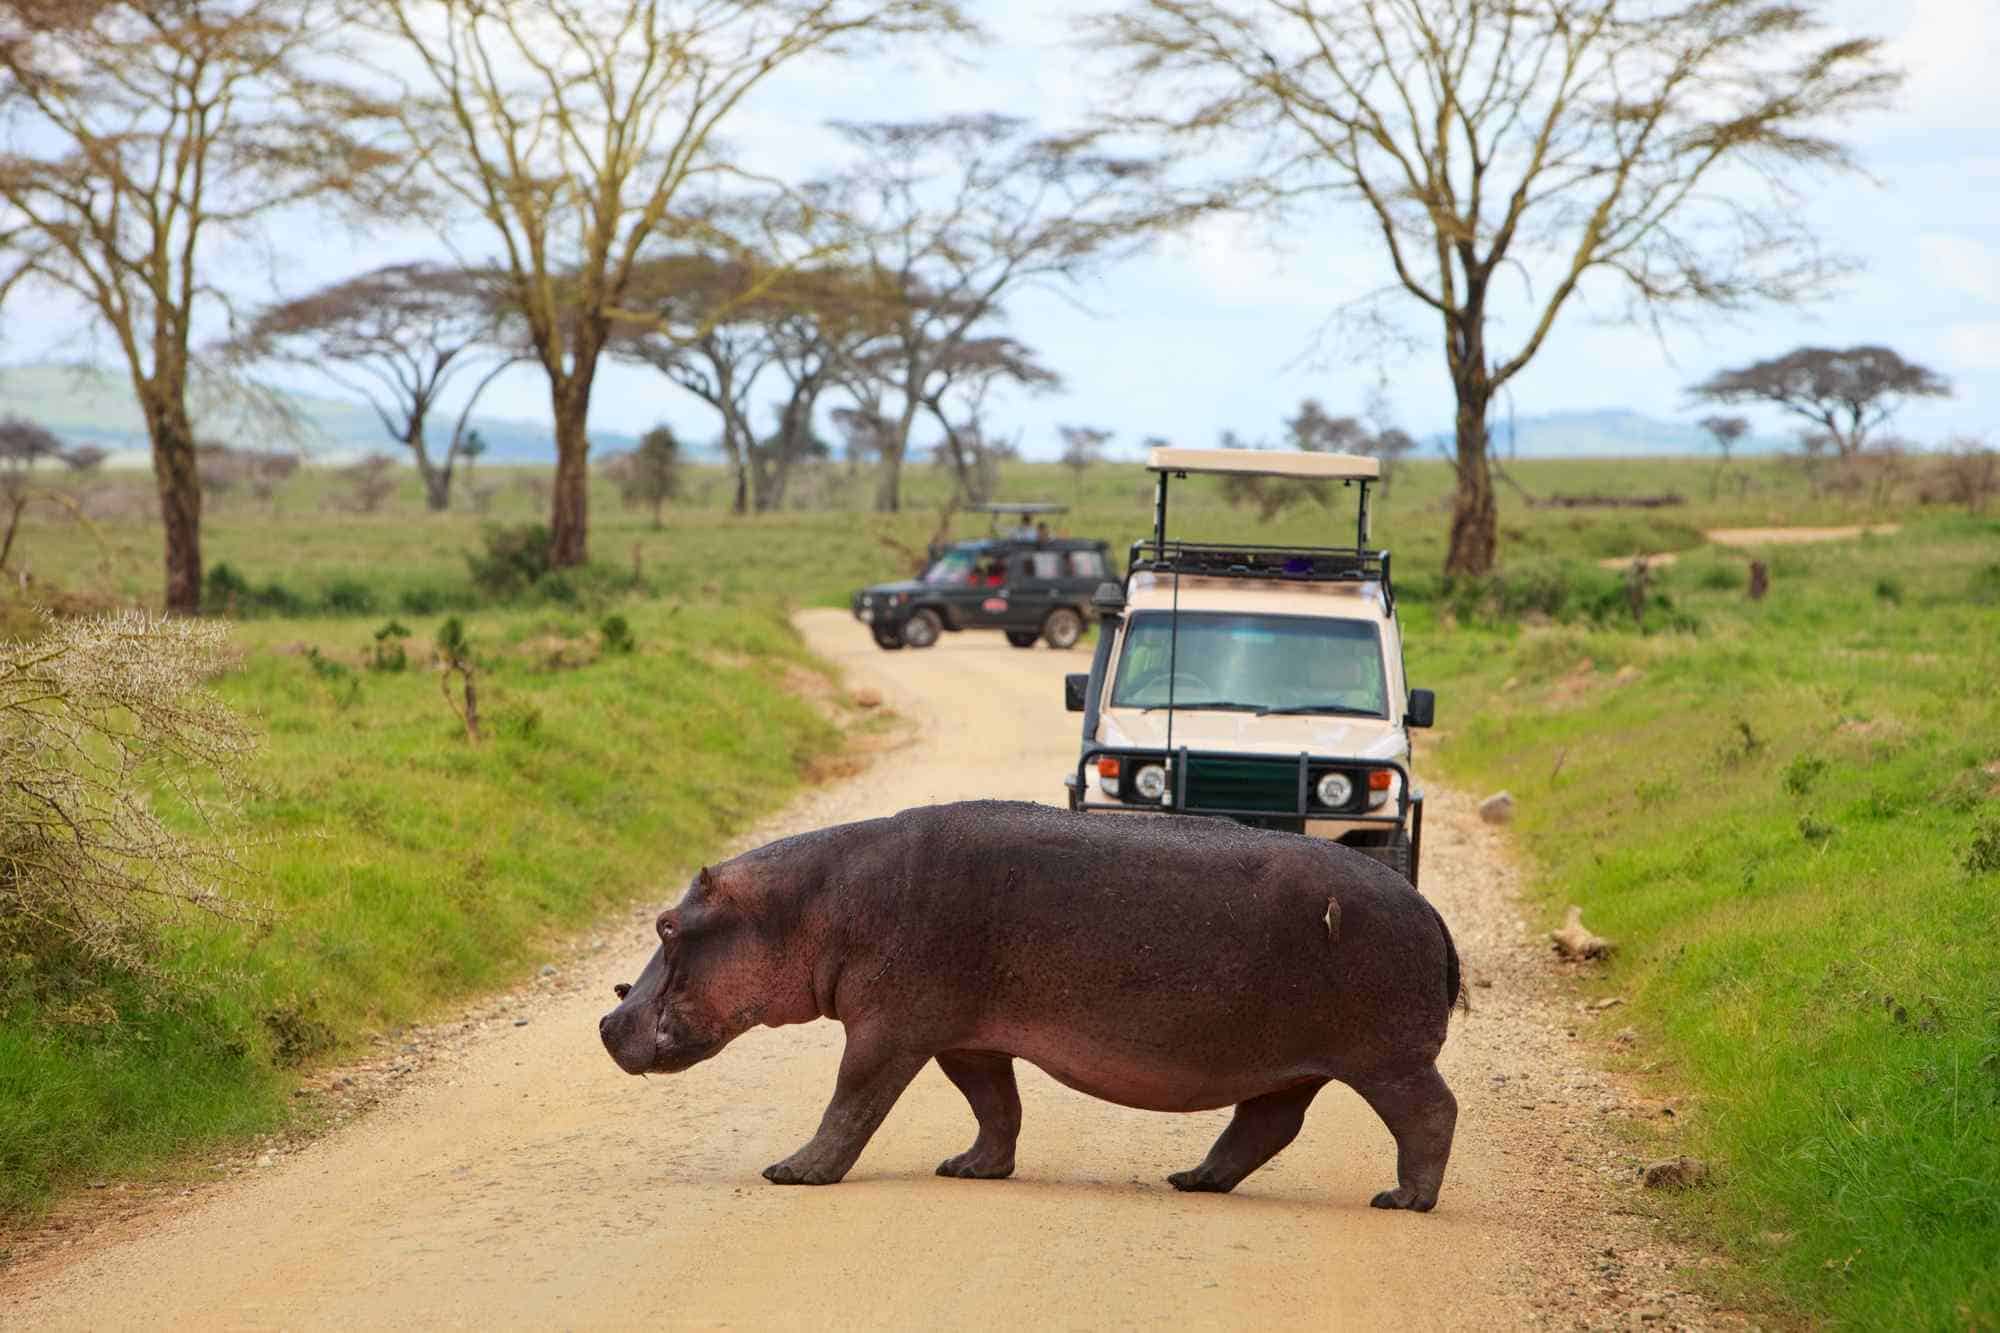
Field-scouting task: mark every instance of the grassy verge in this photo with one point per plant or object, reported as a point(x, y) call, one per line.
point(1790, 820)
point(404, 866)
point(1784, 811)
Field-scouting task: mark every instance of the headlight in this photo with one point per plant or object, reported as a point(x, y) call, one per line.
point(1150, 782)
point(1334, 790)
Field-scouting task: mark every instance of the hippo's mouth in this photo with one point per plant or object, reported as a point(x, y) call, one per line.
point(672, 1059)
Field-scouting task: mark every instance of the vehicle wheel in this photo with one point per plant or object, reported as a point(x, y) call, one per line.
point(888, 640)
point(1023, 638)
point(1063, 628)
point(1393, 852)
point(921, 630)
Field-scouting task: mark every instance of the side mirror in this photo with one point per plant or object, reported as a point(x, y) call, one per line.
point(1075, 686)
point(1108, 600)
point(1422, 710)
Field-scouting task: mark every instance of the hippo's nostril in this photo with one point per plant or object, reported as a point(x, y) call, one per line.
point(622, 989)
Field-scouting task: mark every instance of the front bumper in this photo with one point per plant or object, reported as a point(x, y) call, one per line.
point(1249, 785)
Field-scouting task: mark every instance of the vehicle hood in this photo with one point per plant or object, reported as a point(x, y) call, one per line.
point(1358, 737)
point(884, 589)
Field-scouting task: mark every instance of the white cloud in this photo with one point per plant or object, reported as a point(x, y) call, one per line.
point(1973, 346)
point(1960, 264)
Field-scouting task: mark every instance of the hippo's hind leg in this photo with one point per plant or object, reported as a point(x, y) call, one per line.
point(1258, 1131)
point(987, 1080)
point(1421, 1112)
point(873, 1074)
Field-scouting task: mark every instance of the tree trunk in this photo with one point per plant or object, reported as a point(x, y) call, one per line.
point(179, 485)
point(569, 516)
point(437, 480)
point(1475, 519)
point(889, 483)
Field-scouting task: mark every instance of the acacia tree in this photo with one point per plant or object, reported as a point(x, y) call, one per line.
point(398, 336)
point(1845, 393)
point(1082, 447)
point(957, 403)
point(1723, 432)
point(575, 129)
point(1644, 146)
point(135, 138)
point(950, 217)
point(23, 445)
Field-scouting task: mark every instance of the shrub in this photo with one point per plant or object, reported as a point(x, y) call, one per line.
point(515, 559)
point(86, 861)
point(1983, 856)
point(348, 597)
point(389, 654)
point(617, 634)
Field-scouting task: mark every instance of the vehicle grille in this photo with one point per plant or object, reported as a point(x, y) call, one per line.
point(1243, 784)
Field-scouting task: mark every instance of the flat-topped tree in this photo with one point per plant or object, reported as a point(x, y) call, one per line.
point(578, 133)
point(952, 216)
point(136, 139)
point(1845, 393)
point(1647, 149)
point(957, 402)
point(399, 336)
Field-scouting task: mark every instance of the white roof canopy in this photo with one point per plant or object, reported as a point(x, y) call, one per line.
point(1267, 463)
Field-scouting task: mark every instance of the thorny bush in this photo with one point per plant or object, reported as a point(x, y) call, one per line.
point(103, 721)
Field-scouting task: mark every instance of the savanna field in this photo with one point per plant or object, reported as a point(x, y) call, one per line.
point(1785, 811)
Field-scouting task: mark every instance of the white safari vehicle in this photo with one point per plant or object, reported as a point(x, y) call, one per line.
point(1262, 684)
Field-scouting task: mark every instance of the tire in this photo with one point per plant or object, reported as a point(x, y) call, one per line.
point(921, 630)
point(1393, 852)
point(1023, 638)
point(1063, 627)
point(888, 640)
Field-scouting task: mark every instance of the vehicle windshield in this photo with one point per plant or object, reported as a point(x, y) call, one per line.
point(951, 567)
point(1256, 663)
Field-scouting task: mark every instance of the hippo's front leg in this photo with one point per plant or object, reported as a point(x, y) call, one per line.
point(873, 1074)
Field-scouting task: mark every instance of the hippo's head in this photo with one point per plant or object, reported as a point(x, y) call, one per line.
point(710, 981)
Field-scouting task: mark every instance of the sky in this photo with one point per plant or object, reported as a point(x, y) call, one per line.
point(1227, 326)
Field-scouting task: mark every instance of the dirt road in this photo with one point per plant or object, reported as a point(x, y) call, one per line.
point(525, 1182)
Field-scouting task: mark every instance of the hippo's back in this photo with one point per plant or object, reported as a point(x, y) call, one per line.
point(1169, 950)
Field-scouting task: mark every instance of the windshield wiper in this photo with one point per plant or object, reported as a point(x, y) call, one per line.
point(1201, 703)
point(1342, 710)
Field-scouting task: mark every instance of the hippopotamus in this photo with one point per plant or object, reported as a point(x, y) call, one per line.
point(1168, 962)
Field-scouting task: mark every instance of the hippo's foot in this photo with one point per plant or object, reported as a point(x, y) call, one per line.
point(1257, 1132)
point(1421, 1112)
point(1403, 1197)
point(987, 1080)
point(1202, 1181)
point(792, 1171)
point(976, 1163)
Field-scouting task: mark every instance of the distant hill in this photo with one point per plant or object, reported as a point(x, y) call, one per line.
point(1610, 433)
point(85, 405)
point(94, 406)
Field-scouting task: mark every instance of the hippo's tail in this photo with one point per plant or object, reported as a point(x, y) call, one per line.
point(1455, 994)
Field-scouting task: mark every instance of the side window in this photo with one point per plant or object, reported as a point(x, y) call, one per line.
point(1086, 565)
point(1048, 564)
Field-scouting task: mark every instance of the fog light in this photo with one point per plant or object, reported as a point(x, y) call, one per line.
point(1334, 789)
point(1150, 782)
point(1107, 768)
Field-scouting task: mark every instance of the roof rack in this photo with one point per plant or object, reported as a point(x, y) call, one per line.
point(1266, 463)
point(1295, 564)
point(1018, 507)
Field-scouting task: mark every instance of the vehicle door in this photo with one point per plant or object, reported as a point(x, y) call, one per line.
point(984, 602)
point(1034, 587)
point(1083, 571)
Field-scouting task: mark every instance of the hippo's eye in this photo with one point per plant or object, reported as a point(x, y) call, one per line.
point(666, 925)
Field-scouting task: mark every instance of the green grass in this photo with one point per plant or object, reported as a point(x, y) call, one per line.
point(405, 867)
point(1789, 822)
point(1786, 818)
